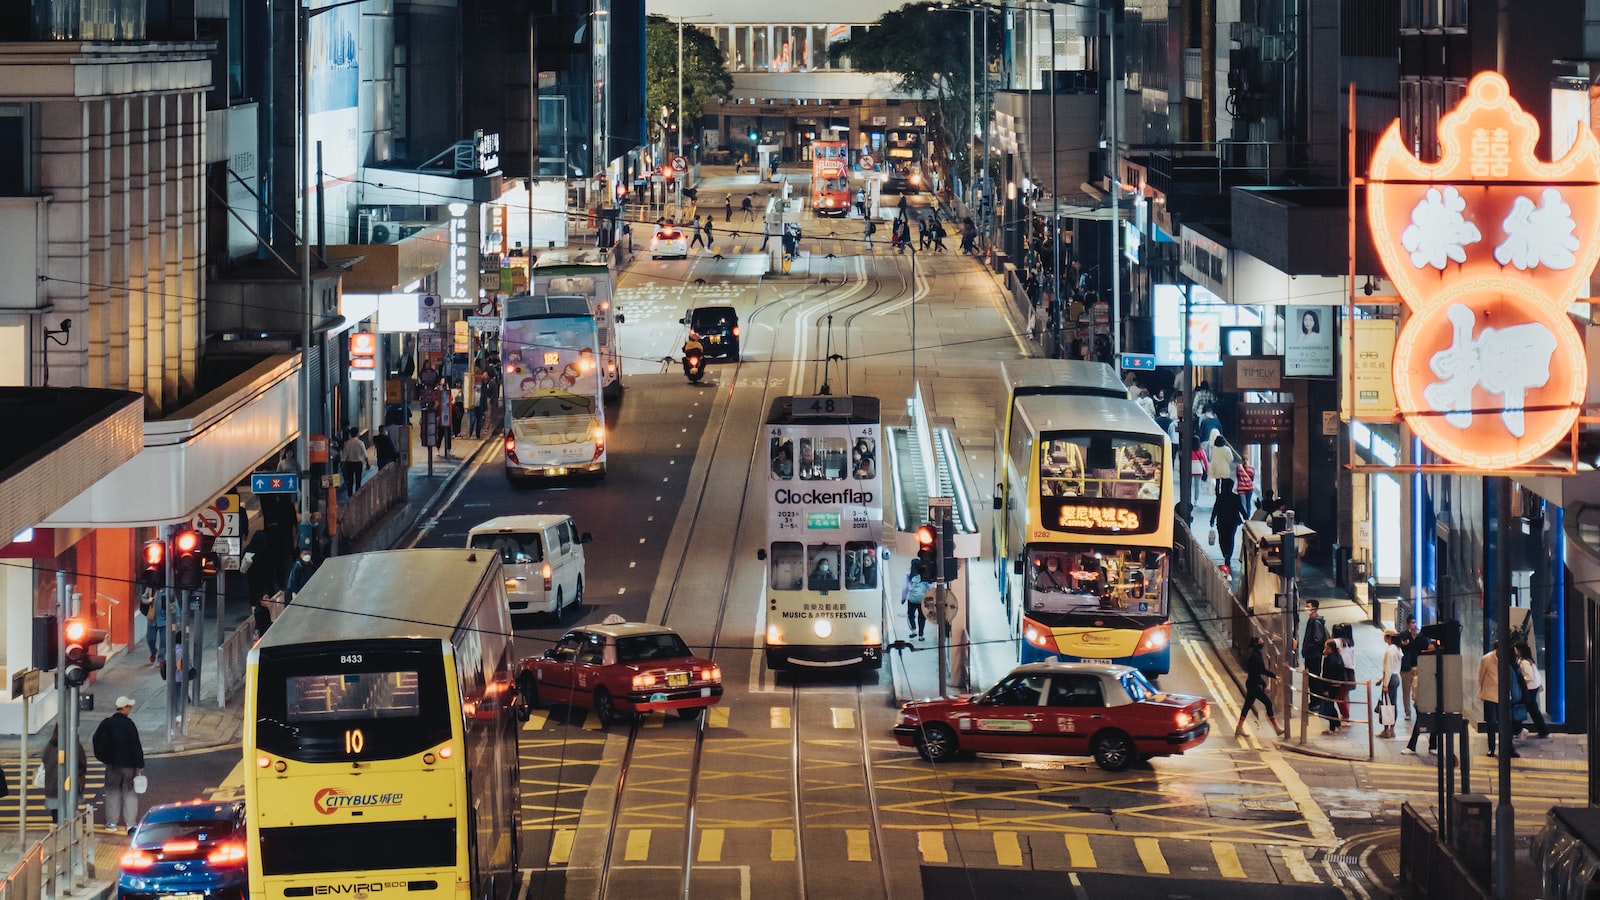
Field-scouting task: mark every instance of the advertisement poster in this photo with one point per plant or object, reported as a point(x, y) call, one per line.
point(1308, 341)
point(335, 85)
point(1372, 390)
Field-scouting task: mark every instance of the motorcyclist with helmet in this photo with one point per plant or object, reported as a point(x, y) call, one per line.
point(692, 348)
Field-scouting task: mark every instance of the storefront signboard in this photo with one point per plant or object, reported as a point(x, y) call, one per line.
point(1487, 249)
point(1265, 423)
point(1371, 393)
point(1260, 373)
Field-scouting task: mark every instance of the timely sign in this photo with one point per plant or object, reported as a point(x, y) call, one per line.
point(275, 483)
point(1487, 247)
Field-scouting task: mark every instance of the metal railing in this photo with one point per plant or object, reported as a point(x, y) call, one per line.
point(1342, 694)
point(234, 654)
point(1429, 868)
point(382, 493)
point(58, 864)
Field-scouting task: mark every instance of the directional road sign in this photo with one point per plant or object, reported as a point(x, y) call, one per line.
point(1139, 362)
point(274, 482)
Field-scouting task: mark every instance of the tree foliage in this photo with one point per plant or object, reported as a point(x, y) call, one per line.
point(705, 77)
point(929, 49)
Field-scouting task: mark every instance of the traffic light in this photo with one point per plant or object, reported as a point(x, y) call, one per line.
point(926, 565)
point(754, 135)
point(186, 564)
point(46, 643)
point(80, 637)
point(153, 564)
point(952, 563)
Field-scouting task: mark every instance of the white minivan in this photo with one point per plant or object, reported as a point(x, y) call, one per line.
point(543, 560)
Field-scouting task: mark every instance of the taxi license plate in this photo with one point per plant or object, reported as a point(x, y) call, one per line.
point(677, 679)
point(556, 470)
point(716, 339)
point(182, 896)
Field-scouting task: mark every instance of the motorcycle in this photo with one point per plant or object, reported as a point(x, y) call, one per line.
point(694, 366)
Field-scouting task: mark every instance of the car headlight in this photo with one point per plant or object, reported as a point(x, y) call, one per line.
point(823, 627)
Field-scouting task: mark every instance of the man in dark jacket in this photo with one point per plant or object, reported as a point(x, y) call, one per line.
point(1315, 635)
point(117, 745)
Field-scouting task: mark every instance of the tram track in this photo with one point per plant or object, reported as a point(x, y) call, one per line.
point(673, 768)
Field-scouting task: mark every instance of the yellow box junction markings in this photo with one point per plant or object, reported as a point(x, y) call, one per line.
point(931, 845)
point(1081, 853)
point(1227, 860)
point(1295, 859)
point(1007, 849)
point(561, 846)
point(710, 846)
point(844, 717)
point(536, 720)
point(782, 845)
point(638, 848)
point(779, 716)
point(1150, 855)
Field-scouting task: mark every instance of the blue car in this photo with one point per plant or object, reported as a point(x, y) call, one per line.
point(186, 851)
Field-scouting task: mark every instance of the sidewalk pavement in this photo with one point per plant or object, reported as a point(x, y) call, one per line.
point(1561, 752)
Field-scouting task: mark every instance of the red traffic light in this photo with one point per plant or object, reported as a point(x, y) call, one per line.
point(79, 637)
point(925, 537)
point(186, 541)
point(155, 553)
point(76, 631)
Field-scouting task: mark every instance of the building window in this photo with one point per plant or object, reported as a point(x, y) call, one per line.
point(14, 156)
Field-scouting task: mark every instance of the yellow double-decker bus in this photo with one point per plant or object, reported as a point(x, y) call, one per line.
point(380, 733)
point(1089, 526)
point(1035, 378)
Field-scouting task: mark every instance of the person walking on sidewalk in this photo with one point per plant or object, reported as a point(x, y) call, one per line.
point(1315, 637)
point(1226, 519)
point(304, 568)
point(1244, 477)
point(1328, 683)
point(1389, 681)
point(911, 595)
point(697, 240)
point(1345, 637)
point(1411, 643)
point(1532, 684)
point(709, 239)
point(355, 462)
point(1489, 694)
point(117, 745)
point(727, 208)
point(1256, 674)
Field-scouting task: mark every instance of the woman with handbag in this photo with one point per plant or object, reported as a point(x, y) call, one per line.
point(1389, 684)
point(1328, 683)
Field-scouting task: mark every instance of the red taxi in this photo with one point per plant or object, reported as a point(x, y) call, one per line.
point(621, 668)
point(1067, 709)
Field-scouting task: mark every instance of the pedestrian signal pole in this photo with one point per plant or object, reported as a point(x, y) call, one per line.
point(1289, 603)
point(939, 518)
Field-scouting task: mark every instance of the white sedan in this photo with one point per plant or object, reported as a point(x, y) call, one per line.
point(669, 240)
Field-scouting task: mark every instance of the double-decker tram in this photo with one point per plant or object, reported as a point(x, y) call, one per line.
point(904, 148)
point(1089, 527)
point(825, 596)
point(585, 272)
point(1031, 378)
point(380, 733)
point(830, 178)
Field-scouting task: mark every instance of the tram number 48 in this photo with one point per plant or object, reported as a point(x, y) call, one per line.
point(354, 741)
point(822, 406)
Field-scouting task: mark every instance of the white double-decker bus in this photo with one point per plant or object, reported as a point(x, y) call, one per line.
point(825, 594)
point(555, 414)
point(585, 272)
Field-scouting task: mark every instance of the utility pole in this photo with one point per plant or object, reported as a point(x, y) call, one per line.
point(939, 508)
point(1286, 602)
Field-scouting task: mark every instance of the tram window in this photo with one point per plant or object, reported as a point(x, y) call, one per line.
point(782, 459)
point(860, 566)
point(788, 565)
point(822, 458)
point(822, 566)
point(864, 459)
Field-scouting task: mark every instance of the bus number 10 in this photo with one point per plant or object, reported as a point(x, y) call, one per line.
point(354, 741)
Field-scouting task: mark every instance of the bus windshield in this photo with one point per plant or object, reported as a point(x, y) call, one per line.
point(309, 702)
point(1101, 466)
point(1096, 580)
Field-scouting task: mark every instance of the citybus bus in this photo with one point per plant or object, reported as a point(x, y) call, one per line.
point(1090, 530)
point(825, 597)
point(586, 272)
point(380, 733)
point(1031, 378)
point(554, 406)
point(830, 178)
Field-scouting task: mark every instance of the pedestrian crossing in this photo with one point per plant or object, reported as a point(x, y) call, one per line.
point(1001, 848)
point(37, 815)
point(745, 245)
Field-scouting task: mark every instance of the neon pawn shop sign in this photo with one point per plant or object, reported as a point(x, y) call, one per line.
point(1487, 248)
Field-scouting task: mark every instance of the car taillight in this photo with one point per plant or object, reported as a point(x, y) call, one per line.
point(511, 447)
point(171, 848)
point(600, 435)
point(1040, 636)
point(644, 681)
point(735, 331)
point(546, 571)
point(1155, 638)
point(230, 853)
point(712, 674)
point(136, 860)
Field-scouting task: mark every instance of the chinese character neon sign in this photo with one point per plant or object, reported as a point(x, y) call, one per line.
point(1487, 248)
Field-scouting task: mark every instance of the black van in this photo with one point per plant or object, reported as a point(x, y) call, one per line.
point(718, 327)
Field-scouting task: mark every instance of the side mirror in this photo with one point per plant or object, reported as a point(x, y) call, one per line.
point(1016, 567)
point(585, 538)
point(999, 502)
point(620, 319)
point(761, 553)
point(684, 320)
